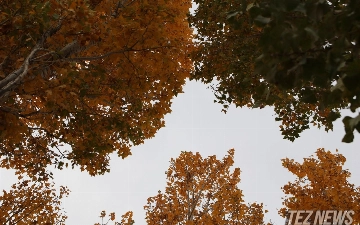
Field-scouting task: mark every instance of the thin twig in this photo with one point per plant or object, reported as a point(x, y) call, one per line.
point(113, 52)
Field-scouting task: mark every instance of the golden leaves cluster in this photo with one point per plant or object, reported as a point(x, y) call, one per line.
point(101, 82)
point(202, 191)
point(126, 219)
point(30, 202)
point(321, 183)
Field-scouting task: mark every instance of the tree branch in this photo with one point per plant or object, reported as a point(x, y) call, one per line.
point(13, 79)
point(113, 52)
point(50, 33)
point(10, 81)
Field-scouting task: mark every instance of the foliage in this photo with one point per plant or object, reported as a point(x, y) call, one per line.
point(283, 53)
point(32, 202)
point(126, 219)
point(202, 191)
point(96, 75)
point(320, 184)
point(226, 53)
point(316, 46)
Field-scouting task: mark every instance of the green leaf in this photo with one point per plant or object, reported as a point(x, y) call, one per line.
point(334, 116)
point(254, 11)
point(300, 8)
point(291, 4)
point(358, 127)
point(308, 96)
point(353, 122)
point(350, 124)
point(262, 20)
point(249, 6)
point(256, 104)
point(56, 16)
point(231, 14)
point(312, 33)
point(348, 138)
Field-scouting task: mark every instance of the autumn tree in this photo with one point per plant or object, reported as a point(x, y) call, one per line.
point(95, 75)
point(32, 202)
point(202, 191)
point(321, 184)
point(126, 219)
point(301, 57)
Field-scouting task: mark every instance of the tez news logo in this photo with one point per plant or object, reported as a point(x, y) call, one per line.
point(319, 217)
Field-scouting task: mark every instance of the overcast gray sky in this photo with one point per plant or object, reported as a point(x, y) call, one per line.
point(197, 124)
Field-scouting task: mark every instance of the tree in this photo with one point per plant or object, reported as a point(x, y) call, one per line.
point(318, 57)
point(95, 75)
point(32, 202)
point(202, 191)
point(320, 184)
point(226, 53)
point(126, 219)
point(299, 56)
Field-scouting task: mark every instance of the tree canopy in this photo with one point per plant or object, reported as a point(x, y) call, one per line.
point(301, 57)
point(126, 219)
point(205, 191)
point(321, 183)
point(33, 202)
point(95, 75)
point(82, 79)
point(202, 191)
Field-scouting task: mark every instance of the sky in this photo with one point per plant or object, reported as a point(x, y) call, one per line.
point(197, 124)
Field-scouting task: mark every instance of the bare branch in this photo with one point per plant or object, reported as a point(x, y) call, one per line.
point(114, 52)
point(4, 62)
point(10, 110)
point(49, 53)
point(3, 22)
point(70, 49)
point(120, 4)
point(50, 32)
point(11, 81)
